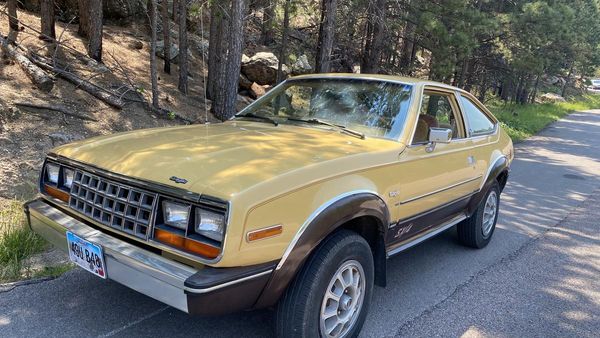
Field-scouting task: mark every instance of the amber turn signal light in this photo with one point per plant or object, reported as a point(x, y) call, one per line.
point(264, 233)
point(186, 244)
point(56, 193)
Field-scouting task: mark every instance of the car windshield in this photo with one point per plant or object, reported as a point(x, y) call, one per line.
point(373, 108)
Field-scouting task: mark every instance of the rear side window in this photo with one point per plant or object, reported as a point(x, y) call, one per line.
point(479, 123)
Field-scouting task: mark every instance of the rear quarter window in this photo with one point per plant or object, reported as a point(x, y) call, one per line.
point(479, 122)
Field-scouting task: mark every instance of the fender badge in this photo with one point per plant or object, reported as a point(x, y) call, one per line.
point(178, 180)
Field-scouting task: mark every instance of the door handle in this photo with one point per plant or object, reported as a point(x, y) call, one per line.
point(471, 160)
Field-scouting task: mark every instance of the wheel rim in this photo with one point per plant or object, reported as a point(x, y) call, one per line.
point(489, 213)
point(343, 300)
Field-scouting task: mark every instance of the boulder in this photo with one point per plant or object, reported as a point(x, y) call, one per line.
point(60, 138)
point(244, 82)
point(136, 44)
point(301, 66)
point(160, 51)
point(257, 91)
point(551, 98)
point(262, 68)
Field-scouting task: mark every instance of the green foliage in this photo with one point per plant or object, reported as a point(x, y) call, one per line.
point(17, 242)
point(53, 271)
point(523, 121)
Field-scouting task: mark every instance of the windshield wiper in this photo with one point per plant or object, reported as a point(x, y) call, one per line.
point(259, 117)
point(325, 123)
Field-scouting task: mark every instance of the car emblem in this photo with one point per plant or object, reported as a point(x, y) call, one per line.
point(178, 180)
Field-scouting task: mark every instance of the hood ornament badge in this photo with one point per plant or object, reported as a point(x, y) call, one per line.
point(178, 180)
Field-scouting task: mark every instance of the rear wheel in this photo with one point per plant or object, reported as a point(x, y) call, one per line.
point(477, 231)
point(330, 296)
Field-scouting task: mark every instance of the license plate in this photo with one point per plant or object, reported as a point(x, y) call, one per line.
point(86, 254)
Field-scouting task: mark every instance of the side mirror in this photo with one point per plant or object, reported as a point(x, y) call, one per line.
point(438, 135)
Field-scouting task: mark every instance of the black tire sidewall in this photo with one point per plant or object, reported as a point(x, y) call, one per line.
point(324, 264)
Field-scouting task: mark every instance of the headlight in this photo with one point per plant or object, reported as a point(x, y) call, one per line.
point(68, 177)
point(52, 173)
point(210, 224)
point(176, 214)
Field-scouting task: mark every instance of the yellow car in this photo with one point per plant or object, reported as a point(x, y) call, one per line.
point(295, 203)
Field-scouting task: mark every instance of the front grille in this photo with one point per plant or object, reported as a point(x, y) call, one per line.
point(113, 204)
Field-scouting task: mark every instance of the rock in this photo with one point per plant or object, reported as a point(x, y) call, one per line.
point(262, 68)
point(257, 90)
point(245, 59)
point(356, 69)
point(244, 82)
point(301, 66)
point(552, 98)
point(160, 50)
point(59, 138)
point(136, 44)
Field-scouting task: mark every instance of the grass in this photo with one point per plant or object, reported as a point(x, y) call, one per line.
point(17, 242)
point(523, 121)
point(53, 271)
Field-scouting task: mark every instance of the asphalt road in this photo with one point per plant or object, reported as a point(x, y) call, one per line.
point(538, 276)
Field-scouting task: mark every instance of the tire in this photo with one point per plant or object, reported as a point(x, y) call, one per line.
point(475, 231)
point(298, 313)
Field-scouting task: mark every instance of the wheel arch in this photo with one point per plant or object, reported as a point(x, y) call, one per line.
point(361, 211)
point(497, 173)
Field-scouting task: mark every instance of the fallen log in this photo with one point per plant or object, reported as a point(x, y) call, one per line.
point(57, 108)
point(39, 77)
point(98, 92)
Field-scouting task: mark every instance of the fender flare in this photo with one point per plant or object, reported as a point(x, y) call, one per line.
point(322, 222)
point(499, 166)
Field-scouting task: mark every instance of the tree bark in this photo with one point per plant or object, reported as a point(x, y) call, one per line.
point(375, 34)
point(166, 36)
point(326, 36)
point(268, 20)
point(226, 97)
point(95, 30)
point(13, 22)
point(39, 77)
point(175, 10)
point(183, 48)
point(284, 38)
point(84, 18)
point(153, 72)
point(217, 49)
point(47, 20)
point(563, 92)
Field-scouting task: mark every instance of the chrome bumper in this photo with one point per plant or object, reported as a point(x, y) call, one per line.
point(138, 269)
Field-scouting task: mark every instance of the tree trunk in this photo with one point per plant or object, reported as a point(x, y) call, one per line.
point(217, 49)
point(326, 36)
point(39, 77)
point(166, 36)
point(47, 20)
point(13, 22)
point(563, 92)
point(183, 48)
point(268, 21)
point(224, 105)
point(84, 18)
point(95, 30)
point(375, 35)
point(175, 10)
point(284, 38)
point(153, 72)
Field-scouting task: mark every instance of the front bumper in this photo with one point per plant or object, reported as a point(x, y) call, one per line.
point(205, 291)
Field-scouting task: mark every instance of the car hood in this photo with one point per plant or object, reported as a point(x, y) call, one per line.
point(218, 159)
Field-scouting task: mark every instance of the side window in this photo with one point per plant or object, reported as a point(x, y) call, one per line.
point(479, 123)
point(436, 111)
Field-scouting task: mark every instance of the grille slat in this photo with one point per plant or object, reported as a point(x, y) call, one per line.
point(113, 204)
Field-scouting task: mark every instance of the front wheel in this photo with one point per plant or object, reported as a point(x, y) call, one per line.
point(477, 230)
point(330, 296)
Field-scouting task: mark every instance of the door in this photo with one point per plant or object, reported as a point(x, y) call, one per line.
point(436, 183)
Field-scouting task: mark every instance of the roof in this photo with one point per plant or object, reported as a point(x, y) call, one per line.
point(402, 79)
